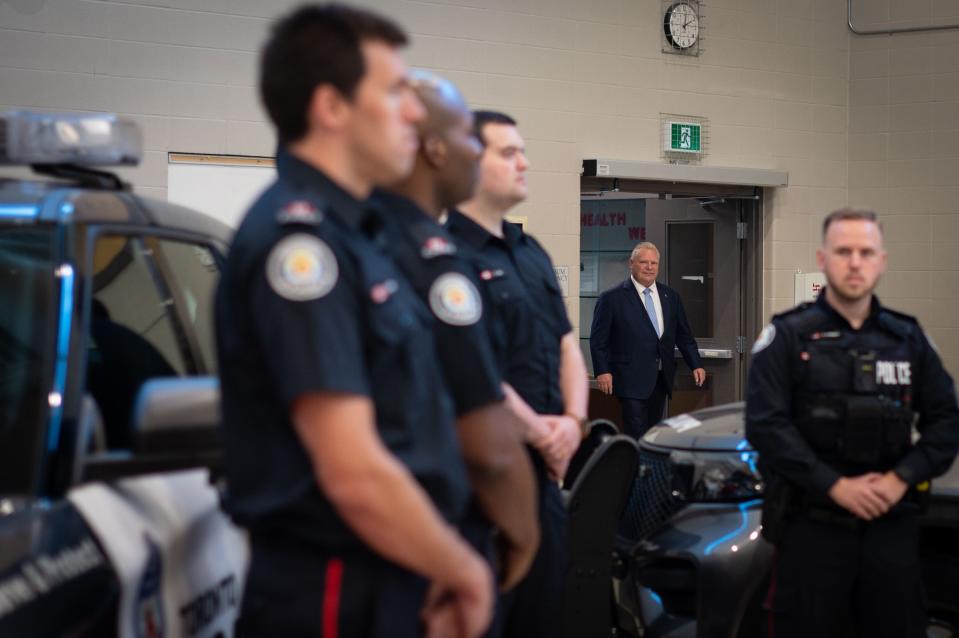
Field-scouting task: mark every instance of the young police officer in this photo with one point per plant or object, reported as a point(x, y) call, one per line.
point(444, 174)
point(341, 454)
point(834, 389)
point(541, 354)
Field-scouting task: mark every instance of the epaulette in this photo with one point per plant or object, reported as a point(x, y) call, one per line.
point(897, 322)
point(433, 240)
point(803, 318)
point(299, 211)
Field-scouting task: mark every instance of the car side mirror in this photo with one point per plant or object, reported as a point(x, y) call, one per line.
point(177, 427)
point(177, 416)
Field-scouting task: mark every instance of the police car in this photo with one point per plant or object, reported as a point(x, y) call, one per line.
point(109, 521)
point(691, 559)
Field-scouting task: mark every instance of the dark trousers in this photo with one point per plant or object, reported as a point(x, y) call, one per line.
point(641, 414)
point(478, 532)
point(534, 607)
point(842, 578)
point(294, 589)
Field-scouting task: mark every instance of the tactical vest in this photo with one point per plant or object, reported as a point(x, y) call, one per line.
point(853, 395)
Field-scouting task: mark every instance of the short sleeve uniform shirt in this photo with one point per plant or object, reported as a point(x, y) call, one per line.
point(428, 256)
point(309, 302)
point(529, 314)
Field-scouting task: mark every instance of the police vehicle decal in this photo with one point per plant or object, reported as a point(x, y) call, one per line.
point(179, 560)
point(455, 300)
point(149, 614)
point(766, 337)
point(301, 267)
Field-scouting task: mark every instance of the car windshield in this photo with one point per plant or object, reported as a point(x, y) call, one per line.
point(27, 289)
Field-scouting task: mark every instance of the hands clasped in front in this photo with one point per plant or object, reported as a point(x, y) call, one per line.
point(868, 496)
point(557, 440)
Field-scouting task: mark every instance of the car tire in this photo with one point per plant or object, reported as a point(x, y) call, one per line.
point(942, 624)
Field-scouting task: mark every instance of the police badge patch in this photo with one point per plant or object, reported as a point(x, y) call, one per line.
point(765, 338)
point(455, 300)
point(301, 268)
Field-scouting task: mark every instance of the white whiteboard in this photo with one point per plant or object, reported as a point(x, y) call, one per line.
point(224, 191)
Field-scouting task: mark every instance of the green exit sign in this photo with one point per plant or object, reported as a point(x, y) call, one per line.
point(685, 137)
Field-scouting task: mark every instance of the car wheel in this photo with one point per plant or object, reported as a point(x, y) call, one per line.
point(942, 625)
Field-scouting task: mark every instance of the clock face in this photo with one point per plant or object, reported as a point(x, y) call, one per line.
point(681, 24)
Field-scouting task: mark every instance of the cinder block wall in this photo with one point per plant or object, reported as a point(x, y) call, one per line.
point(904, 156)
point(582, 78)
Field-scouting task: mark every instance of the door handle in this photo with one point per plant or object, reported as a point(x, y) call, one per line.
point(709, 353)
point(700, 278)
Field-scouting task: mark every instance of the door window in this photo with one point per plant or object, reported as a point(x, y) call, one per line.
point(609, 230)
point(689, 254)
point(27, 321)
point(150, 316)
point(191, 272)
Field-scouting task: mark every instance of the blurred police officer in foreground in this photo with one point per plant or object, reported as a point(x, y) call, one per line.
point(341, 454)
point(834, 389)
point(501, 474)
point(539, 352)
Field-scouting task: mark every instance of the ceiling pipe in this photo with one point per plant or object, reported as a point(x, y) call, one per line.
point(857, 31)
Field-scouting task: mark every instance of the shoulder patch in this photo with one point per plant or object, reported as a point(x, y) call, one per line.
point(454, 300)
point(766, 337)
point(299, 211)
point(437, 246)
point(301, 267)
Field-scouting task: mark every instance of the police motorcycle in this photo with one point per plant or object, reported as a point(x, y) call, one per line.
point(109, 501)
point(688, 554)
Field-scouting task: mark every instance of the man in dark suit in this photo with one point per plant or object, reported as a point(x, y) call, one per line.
point(636, 326)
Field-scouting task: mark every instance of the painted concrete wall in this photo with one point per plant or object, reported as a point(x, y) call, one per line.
point(583, 79)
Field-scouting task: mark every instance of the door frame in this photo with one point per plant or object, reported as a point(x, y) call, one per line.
point(751, 213)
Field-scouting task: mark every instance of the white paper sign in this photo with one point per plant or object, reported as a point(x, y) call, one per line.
point(808, 285)
point(562, 276)
point(682, 422)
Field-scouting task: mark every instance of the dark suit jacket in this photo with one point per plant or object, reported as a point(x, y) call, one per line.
point(623, 342)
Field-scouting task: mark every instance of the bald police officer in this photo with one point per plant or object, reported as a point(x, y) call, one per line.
point(444, 174)
point(341, 455)
point(835, 388)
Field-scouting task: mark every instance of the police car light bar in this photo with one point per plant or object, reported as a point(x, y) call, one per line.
point(94, 139)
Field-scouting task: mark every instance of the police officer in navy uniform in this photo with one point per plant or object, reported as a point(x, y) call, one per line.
point(501, 474)
point(543, 365)
point(341, 456)
point(835, 389)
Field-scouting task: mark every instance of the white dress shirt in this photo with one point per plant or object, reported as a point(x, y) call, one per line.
point(640, 288)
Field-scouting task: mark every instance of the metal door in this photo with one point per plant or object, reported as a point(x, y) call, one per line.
point(701, 258)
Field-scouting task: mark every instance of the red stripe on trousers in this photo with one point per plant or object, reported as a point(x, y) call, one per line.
point(331, 597)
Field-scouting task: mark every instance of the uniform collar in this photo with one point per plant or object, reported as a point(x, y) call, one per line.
point(874, 308)
point(476, 236)
point(355, 214)
point(397, 204)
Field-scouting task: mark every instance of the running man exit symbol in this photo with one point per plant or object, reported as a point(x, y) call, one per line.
point(685, 137)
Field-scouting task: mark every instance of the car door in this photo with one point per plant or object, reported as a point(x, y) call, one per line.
point(149, 315)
